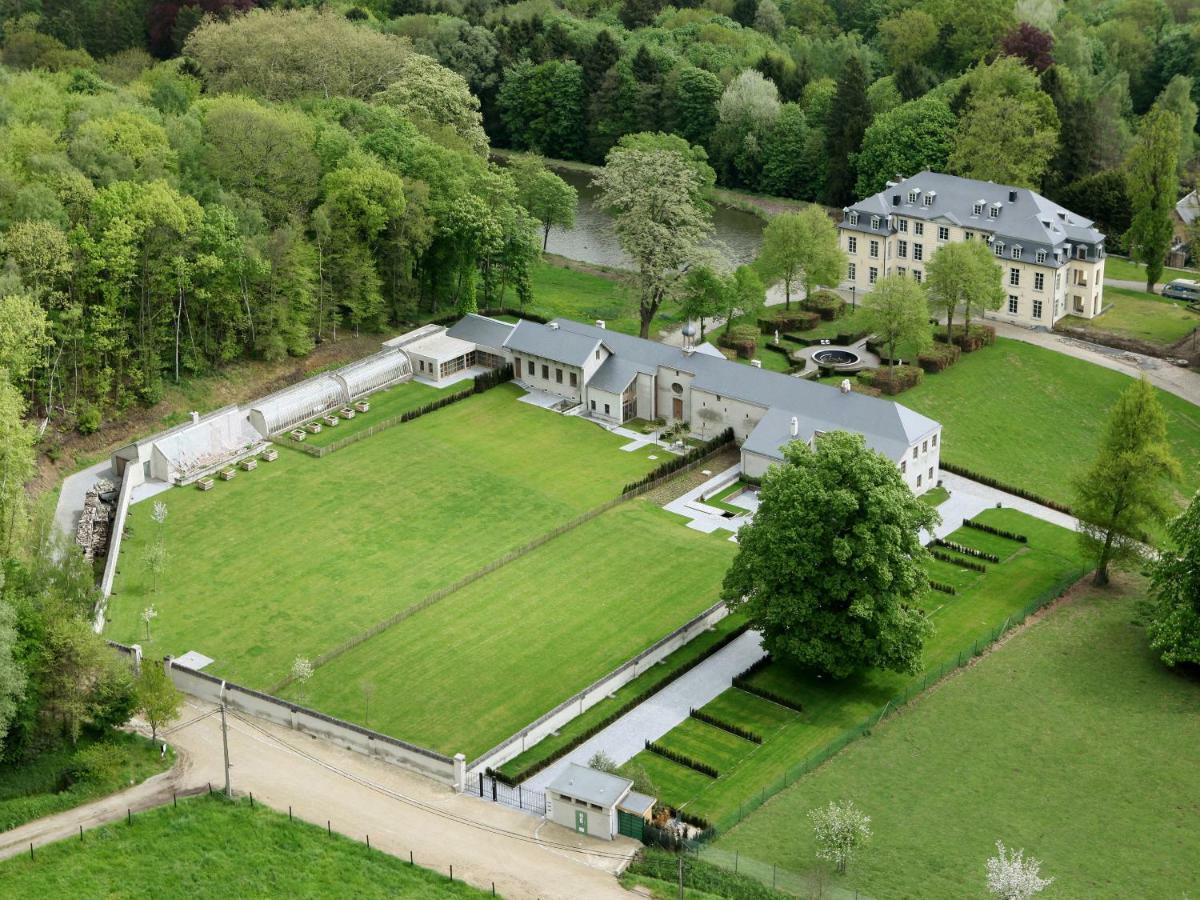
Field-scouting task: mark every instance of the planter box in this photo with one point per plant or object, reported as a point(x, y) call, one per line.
point(273, 454)
point(249, 465)
point(205, 484)
point(347, 413)
point(228, 474)
point(313, 427)
point(362, 406)
point(331, 421)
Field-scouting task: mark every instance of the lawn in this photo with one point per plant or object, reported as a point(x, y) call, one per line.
point(831, 708)
point(392, 402)
point(1072, 742)
point(1033, 418)
point(301, 554)
point(574, 293)
point(469, 671)
point(1141, 316)
point(935, 497)
point(1121, 269)
point(209, 847)
point(48, 783)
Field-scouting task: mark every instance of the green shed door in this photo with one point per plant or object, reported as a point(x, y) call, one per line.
point(581, 821)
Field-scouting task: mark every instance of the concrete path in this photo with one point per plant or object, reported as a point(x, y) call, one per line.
point(485, 842)
point(70, 497)
point(966, 495)
point(626, 737)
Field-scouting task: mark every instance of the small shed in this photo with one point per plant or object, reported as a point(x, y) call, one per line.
point(586, 801)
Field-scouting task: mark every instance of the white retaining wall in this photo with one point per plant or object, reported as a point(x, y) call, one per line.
point(114, 550)
point(597, 691)
point(345, 734)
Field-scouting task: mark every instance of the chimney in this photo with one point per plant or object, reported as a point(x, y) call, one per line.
point(844, 387)
point(1012, 196)
point(795, 429)
point(195, 417)
point(599, 323)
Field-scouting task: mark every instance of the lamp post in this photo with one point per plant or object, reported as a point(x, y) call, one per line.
point(853, 304)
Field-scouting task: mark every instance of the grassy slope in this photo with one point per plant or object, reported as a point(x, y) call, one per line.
point(1145, 317)
point(469, 671)
point(831, 708)
point(392, 402)
point(41, 787)
point(585, 297)
point(302, 553)
point(1033, 418)
point(1128, 270)
point(1072, 742)
point(211, 848)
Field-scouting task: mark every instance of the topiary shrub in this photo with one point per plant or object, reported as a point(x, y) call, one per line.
point(897, 380)
point(742, 339)
point(827, 304)
point(791, 320)
point(939, 357)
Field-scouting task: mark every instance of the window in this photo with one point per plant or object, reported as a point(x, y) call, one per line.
point(872, 274)
point(914, 452)
point(1016, 252)
point(874, 249)
point(943, 233)
point(902, 249)
point(1013, 305)
point(931, 473)
point(874, 223)
point(1041, 256)
point(558, 375)
point(1037, 309)
point(574, 380)
point(852, 244)
point(1014, 277)
point(924, 446)
point(918, 228)
point(917, 275)
point(913, 195)
point(918, 480)
point(597, 353)
point(853, 218)
point(851, 272)
point(900, 270)
point(903, 466)
point(999, 248)
point(927, 200)
point(607, 411)
point(918, 251)
point(969, 235)
point(934, 440)
point(529, 363)
point(1039, 281)
point(593, 406)
point(676, 388)
point(994, 211)
point(977, 209)
point(903, 224)
point(1057, 280)
point(546, 372)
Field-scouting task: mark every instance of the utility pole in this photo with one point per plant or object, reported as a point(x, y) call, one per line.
point(225, 745)
point(681, 878)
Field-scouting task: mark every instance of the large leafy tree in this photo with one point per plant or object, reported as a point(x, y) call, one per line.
point(1152, 181)
point(911, 138)
point(426, 91)
point(1175, 589)
point(802, 248)
point(543, 194)
point(832, 565)
point(661, 219)
point(1127, 487)
point(542, 107)
point(963, 274)
point(844, 135)
point(897, 312)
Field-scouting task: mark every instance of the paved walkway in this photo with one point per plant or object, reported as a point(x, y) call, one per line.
point(966, 495)
point(74, 488)
point(627, 736)
point(402, 812)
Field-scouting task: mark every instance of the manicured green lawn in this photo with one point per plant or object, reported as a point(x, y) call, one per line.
point(1072, 742)
point(301, 554)
point(392, 402)
point(1142, 316)
point(1033, 418)
point(935, 497)
point(47, 784)
point(469, 671)
point(831, 708)
point(209, 847)
point(1127, 270)
point(707, 743)
point(585, 297)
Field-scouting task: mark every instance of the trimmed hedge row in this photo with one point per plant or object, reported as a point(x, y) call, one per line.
point(736, 730)
point(678, 462)
point(440, 403)
point(635, 701)
point(682, 759)
point(791, 320)
point(967, 551)
point(957, 561)
point(743, 685)
point(944, 588)
point(1007, 488)
point(896, 381)
point(939, 357)
point(755, 667)
point(999, 532)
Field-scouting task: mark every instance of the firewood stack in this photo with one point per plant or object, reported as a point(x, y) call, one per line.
point(99, 507)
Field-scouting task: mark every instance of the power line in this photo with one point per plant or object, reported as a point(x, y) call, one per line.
point(193, 721)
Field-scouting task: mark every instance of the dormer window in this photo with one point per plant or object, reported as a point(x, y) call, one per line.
point(1016, 252)
point(994, 211)
point(977, 209)
point(874, 223)
point(929, 198)
point(853, 218)
point(1041, 256)
point(999, 248)
point(912, 196)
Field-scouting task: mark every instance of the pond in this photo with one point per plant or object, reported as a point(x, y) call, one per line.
point(737, 234)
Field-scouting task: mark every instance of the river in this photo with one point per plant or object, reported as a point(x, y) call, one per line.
point(737, 234)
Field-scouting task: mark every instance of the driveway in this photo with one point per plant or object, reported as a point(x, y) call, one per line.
point(525, 857)
point(74, 488)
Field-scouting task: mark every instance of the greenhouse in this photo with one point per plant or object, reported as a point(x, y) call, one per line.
point(378, 371)
point(300, 403)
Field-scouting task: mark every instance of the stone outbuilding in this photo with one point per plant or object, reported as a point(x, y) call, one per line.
point(595, 803)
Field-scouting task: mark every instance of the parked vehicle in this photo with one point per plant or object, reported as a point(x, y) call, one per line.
point(1182, 289)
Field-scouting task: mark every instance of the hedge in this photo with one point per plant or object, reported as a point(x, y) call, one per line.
point(1007, 488)
point(827, 304)
point(743, 685)
point(779, 348)
point(755, 667)
point(944, 588)
point(999, 532)
point(978, 336)
point(895, 381)
point(967, 551)
point(742, 338)
point(682, 759)
point(791, 320)
point(678, 462)
point(939, 357)
point(737, 730)
point(630, 704)
point(957, 561)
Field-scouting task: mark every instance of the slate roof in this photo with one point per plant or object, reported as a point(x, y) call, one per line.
point(1030, 221)
point(568, 347)
point(589, 785)
point(1188, 209)
point(481, 330)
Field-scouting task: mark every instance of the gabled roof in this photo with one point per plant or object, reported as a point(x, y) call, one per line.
point(552, 342)
point(1188, 209)
point(589, 785)
point(481, 330)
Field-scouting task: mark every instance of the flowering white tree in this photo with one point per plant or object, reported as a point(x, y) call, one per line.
point(840, 829)
point(302, 670)
point(160, 512)
point(1012, 877)
point(149, 614)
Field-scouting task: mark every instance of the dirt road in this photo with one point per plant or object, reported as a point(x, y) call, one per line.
point(525, 857)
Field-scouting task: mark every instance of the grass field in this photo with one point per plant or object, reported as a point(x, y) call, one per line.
point(300, 554)
point(1142, 316)
point(1025, 573)
point(1031, 417)
point(1127, 270)
point(1072, 741)
point(392, 402)
point(585, 297)
point(466, 673)
point(209, 847)
point(48, 784)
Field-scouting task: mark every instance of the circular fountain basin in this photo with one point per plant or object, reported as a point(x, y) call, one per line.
point(836, 358)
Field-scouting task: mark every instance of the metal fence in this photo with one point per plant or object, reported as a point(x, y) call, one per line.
point(487, 788)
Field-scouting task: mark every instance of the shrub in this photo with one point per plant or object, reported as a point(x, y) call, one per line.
point(97, 762)
point(738, 730)
point(488, 380)
point(999, 532)
point(702, 877)
point(792, 320)
point(88, 418)
point(944, 588)
point(897, 380)
point(676, 463)
point(978, 336)
point(956, 561)
point(967, 551)
point(682, 759)
point(827, 304)
point(989, 481)
point(743, 685)
point(743, 339)
point(779, 348)
point(939, 357)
